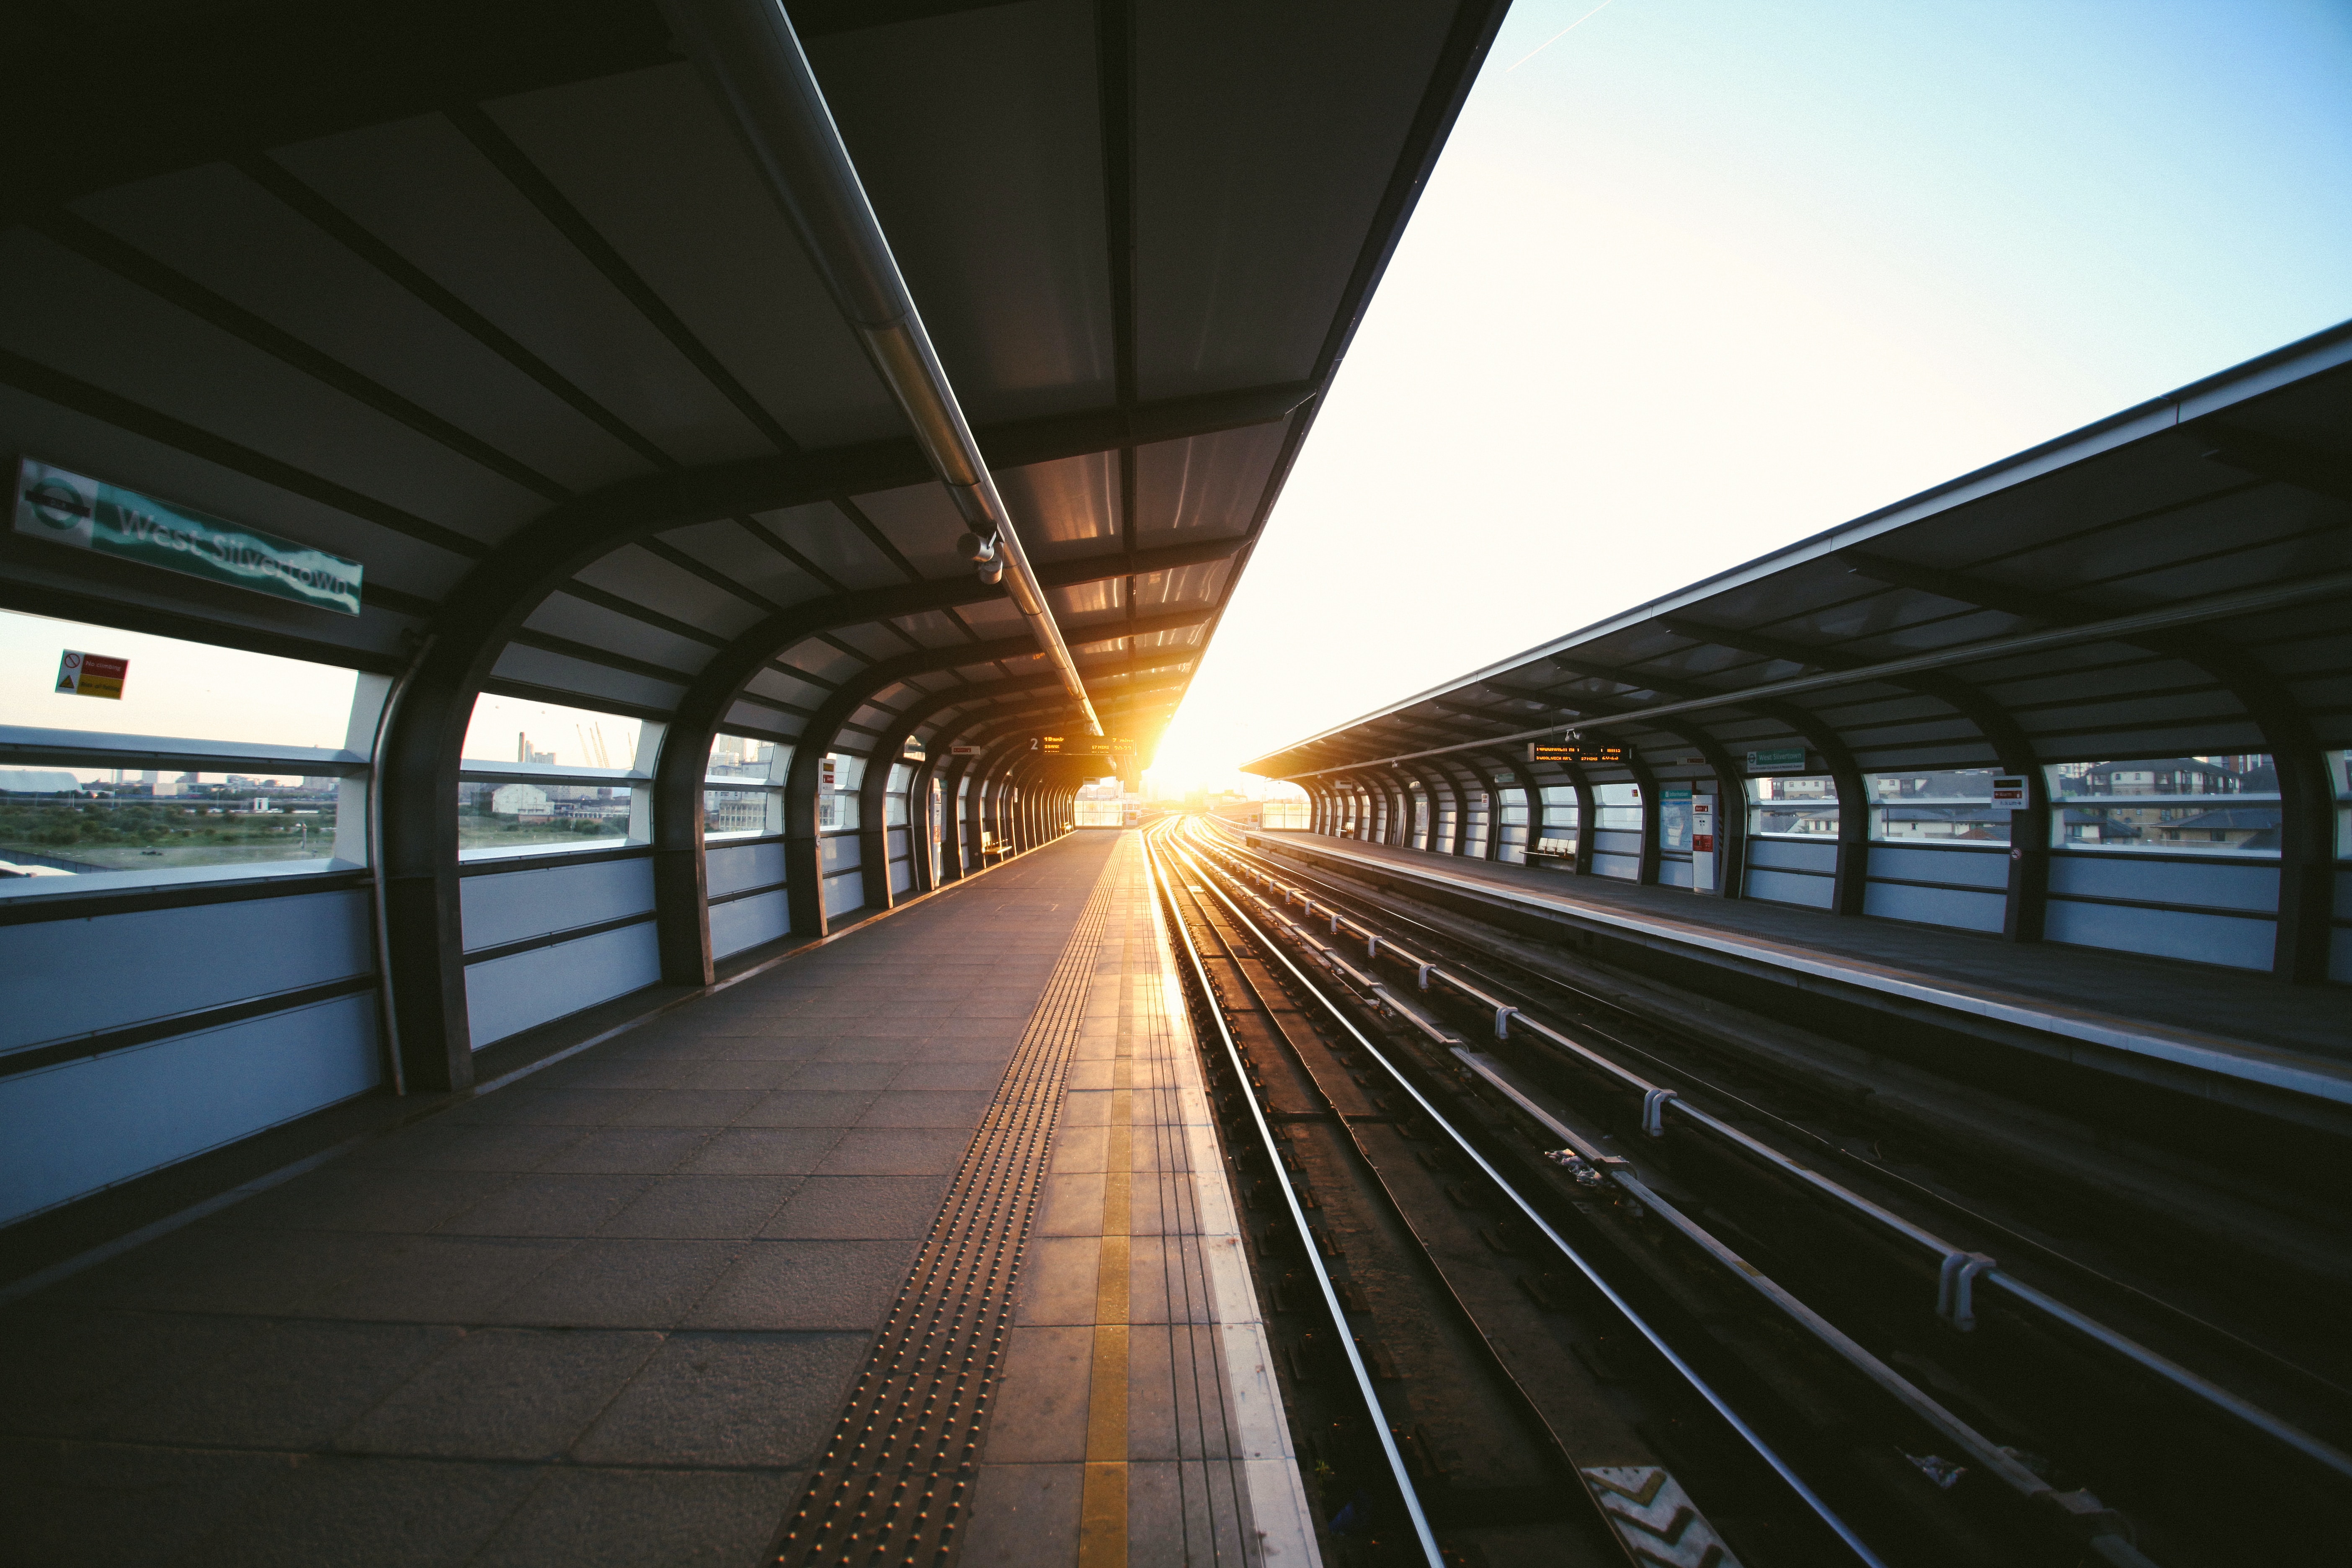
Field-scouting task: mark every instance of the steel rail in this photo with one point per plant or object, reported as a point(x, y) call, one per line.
point(2193, 1384)
point(2179, 1317)
point(1298, 1221)
point(1690, 1374)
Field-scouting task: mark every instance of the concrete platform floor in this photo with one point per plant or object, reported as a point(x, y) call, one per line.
point(608, 1313)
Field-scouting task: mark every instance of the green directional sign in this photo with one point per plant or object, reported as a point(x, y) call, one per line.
point(88, 514)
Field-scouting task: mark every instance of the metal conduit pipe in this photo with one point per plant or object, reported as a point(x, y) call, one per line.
point(752, 60)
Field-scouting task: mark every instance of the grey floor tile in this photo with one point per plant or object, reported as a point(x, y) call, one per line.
point(598, 1518)
point(1182, 1514)
point(1175, 1394)
point(334, 1510)
point(503, 1394)
point(928, 1108)
point(65, 1373)
point(549, 1205)
point(792, 1106)
point(1089, 1076)
point(763, 1151)
point(897, 1045)
point(525, 1104)
point(1165, 1281)
point(895, 1151)
point(614, 1284)
point(291, 1384)
point(95, 1505)
point(765, 1075)
point(1070, 1204)
point(845, 1076)
point(948, 1074)
point(1041, 1399)
point(711, 1208)
point(807, 1285)
point(934, 1049)
point(851, 1209)
point(751, 1047)
point(339, 1199)
point(730, 1399)
point(208, 1268)
point(441, 1278)
point(1024, 1515)
point(628, 1152)
point(602, 1070)
point(1058, 1279)
point(1086, 1108)
point(688, 1107)
point(439, 1146)
point(1079, 1151)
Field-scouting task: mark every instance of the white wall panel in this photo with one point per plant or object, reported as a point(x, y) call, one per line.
point(1624, 867)
point(2220, 887)
point(731, 868)
point(838, 853)
point(72, 1128)
point(64, 978)
point(1789, 855)
point(1788, 887)
point(2231, 939)
point(747, 922)
point(1976, 868)
point(901, 877)
point(507, 995)
point(514, 906)
point(844, 893)
point(1934, 905)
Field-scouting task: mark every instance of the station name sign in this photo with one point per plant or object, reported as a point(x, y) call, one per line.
point(1573, 752)
point(1083, 746)
point(84, 513)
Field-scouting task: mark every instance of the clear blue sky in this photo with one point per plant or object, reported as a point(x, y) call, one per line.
point(1702, 276)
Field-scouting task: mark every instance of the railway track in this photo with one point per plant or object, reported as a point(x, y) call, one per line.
point(1651, 1290)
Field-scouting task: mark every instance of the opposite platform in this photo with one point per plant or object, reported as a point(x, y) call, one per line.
point(608, 1313)
point(2209, 1020)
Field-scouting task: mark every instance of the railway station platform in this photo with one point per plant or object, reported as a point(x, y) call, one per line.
point(2103, 1008)
point(650, 1303)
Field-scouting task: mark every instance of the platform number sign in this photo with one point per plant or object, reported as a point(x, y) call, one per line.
point(91, 675)
point(2009, 792)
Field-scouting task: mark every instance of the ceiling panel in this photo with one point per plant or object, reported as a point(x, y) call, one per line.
point(977, 138)
point(423, 189)
point(665, 180)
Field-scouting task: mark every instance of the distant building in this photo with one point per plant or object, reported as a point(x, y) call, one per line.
point(38, 781)
point(519, 800)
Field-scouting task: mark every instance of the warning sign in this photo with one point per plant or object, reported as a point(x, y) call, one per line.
point(91, 675)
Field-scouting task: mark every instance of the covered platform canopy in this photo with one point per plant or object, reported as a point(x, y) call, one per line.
point(501, 302)
point(2169, 584)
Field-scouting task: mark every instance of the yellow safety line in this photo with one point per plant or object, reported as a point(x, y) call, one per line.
point(1102, 1507)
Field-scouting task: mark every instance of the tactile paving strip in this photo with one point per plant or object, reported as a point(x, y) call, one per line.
point(897, 1475)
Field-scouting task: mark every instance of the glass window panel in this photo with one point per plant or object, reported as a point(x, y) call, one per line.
point(510, 729)
point(2339, 771)
point(173, 688)
point(80, 821)
point(742, 812)
point(494, 816)
point(1800, 807)
point(741, 757)
point(1927, 807)
point(2173, 805)
point(837, 792)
